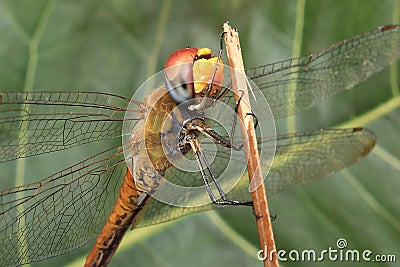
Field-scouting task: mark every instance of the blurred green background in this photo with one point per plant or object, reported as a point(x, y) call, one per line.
point(113, 46)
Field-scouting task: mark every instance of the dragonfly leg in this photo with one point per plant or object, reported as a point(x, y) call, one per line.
point(257, 216)
point(247, 114)
point(254, 117)
point(240, 146)
point(225, 200)
point(201, 127)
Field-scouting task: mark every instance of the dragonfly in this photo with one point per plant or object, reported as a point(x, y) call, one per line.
point(104, 196)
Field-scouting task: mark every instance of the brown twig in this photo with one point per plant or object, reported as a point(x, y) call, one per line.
point(259, 196)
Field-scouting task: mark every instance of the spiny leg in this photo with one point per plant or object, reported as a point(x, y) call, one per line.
point(199, 155)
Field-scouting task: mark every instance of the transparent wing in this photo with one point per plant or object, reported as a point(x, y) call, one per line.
point(293, 85)
point(59, 213)
point(300, 158)
point(41, 122)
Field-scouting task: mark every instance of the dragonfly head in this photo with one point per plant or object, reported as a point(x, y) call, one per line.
point(193, 72)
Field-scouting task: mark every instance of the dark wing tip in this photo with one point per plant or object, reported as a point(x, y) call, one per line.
point(367, 137)
point(388, 27)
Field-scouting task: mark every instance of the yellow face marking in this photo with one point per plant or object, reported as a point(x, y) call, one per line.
point(204, 52)
point(203, 70)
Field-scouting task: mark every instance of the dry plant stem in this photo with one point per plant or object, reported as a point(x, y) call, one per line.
point(259, 196)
